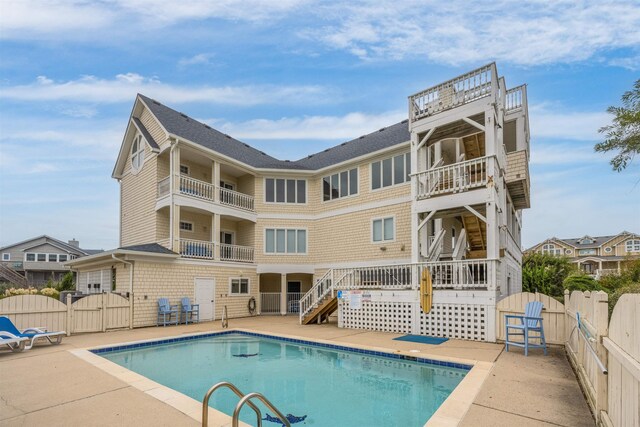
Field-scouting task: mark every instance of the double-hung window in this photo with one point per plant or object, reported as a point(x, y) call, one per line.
point(392, 171)
point(383, 230)
point(281, 190)
point(340, 184)
point(239, 286)
point(285, 241)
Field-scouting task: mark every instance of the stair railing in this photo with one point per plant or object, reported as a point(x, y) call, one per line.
point(323, 286)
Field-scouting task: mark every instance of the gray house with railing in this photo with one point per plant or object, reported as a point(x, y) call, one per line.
point(34, 261)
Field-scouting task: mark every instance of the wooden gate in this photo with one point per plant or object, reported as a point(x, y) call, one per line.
point(553, 316)
point(100, 312)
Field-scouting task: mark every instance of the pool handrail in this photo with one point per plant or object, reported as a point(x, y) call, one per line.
point(247, 399)
point(233, 388)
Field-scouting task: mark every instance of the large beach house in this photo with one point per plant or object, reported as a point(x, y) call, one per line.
point(349, 229)
point(596, 256)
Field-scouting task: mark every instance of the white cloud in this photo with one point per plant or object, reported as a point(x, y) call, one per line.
point(344, 127)
point(79, 19)
point(199, 59)
point(572, 125)
point(458, 32)
point(124, 87)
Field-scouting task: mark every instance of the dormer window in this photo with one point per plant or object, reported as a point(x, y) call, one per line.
point(551, 249)
point(137, 153)
point(586, 241)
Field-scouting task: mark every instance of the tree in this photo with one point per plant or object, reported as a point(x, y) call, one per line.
point(579, 281)
point(545, 273)
point(623, 135)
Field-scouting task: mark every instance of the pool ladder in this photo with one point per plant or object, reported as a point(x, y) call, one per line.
point(244, 398)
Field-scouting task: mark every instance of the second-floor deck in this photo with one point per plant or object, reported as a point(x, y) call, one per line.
point(206, 191)
point(200, 249)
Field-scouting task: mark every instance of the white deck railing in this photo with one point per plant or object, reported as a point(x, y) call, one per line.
point(474, 274)
point(196, 188)
point(199, 249)
point(269, 302)
point(514, 98)
point(206, 191)
point(455, 92)
point(452, 178)
point(236, 199)
point(164, 186)
point(320, 289)
point(236, 253)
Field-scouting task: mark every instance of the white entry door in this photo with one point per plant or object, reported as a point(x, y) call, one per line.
point(205, 297)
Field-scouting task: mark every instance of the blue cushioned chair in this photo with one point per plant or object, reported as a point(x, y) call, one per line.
point(166, 311)
point(530, 322)
point(190, 311)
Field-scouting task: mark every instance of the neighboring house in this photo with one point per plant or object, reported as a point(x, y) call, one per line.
point(597, 255)
point(207, 216)
point(38, 260)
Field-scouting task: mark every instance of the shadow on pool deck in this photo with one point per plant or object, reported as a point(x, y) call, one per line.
point(50, 386)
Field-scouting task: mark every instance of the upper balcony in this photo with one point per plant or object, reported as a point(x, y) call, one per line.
point(202, 190)
point(456, 92)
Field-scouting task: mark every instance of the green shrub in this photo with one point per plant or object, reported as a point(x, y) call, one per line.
point(66, 283)
point(545, 274)
point(581, 282)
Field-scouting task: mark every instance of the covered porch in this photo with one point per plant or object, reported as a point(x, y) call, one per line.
point(280, 293)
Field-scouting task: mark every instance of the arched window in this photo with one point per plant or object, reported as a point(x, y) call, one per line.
point(633, 245)
point(137, 153)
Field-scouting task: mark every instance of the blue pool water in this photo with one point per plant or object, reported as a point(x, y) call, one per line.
point(331, 386)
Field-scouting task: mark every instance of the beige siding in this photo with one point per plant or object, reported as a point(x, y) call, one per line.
point(201, 225)
point(153, 126)
point(138, 202)
point(176, 280)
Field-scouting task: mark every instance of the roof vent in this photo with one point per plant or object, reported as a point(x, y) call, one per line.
point(207, 126)
point(310, 156)
point(155, 102)
point(246, 145)
point(405, 121)
point(227, 136)
point(343, 144)
point(184, 115)
point(380, 130)
point(263, 153)
point(324, 151)
point(287, 161)
point(362, 137)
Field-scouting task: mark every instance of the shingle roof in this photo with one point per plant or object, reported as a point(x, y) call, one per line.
point(183, 126)
point(597, 241)
point(148, 247)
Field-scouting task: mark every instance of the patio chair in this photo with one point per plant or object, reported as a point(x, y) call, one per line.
point(530, 322)
point(190, 311)
point(14, 344)
point(166, 311)
point(9, 330)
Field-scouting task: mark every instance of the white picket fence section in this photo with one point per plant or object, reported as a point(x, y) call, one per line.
point(93, 313)
point(605, 354)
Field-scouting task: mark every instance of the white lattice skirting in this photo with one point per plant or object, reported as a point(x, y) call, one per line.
point(396, 312)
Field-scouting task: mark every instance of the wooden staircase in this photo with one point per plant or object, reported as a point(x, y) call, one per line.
point(476, 236)
point(322, 310)
point(12, 276)
point(473, 146)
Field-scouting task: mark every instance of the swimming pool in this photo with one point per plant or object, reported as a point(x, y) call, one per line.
point(321, 384)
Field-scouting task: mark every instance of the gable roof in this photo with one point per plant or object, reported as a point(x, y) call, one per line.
point(183, 126)
point(148, 247)
point(48, 239)
point(598, 241)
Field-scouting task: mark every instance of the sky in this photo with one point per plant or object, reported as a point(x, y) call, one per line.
point(294, 77)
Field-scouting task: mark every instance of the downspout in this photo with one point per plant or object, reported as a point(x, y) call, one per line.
point(171, 189)
point(130, 264)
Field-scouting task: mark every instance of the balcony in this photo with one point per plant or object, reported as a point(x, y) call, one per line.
point(515, 99)
point(200, 249)
point(236, 253)
point(457, 177)
point(454, 93)
point(206, 191)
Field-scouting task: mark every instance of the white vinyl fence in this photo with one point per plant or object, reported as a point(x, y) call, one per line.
point(93, 313)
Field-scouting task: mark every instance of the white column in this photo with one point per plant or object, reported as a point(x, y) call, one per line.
point(215, 180)
point(283, 294)
point(175, 227)
point(216, 236)
point(493, 237)
point(415, 164)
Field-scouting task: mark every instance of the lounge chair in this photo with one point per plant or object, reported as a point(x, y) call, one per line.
point(190, 311)
point(166, 311)
point(14, 344)
point(9, 330)
point(530, 322)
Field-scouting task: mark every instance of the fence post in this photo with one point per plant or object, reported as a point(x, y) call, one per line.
point(131, 310)
point(601, 323)
point(104, 311)
point(567, 318)
point(69, 319)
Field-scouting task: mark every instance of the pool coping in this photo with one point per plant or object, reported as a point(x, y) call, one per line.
point(449, 413)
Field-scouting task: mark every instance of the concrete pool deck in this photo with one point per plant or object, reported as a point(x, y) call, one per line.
point(49, 385)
